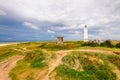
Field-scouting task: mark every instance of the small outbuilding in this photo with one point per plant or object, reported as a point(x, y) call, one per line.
point(59, 40)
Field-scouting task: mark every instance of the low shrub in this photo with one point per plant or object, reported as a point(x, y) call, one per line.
point(91, 44)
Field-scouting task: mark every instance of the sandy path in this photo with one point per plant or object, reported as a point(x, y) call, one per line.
point(53, 64)
point(117, 72)
point(6, 66)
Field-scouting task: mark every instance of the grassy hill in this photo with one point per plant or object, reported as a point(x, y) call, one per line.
point(69, 61)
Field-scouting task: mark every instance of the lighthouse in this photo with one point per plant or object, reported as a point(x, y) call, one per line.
point(85, 34)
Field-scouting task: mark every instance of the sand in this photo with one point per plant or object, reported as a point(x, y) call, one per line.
point(4, 44)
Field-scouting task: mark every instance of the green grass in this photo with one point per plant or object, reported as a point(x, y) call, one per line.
point(66, 73)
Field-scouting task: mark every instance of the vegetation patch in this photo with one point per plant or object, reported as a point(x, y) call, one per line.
point(114, 59)
point(33, 64)
point(33, 55)
point(8, 53)
point(66, 46)
point(38, 63)
point(94, 67)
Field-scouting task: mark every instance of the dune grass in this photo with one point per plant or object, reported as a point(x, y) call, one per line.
point(114, 59)
point(16, 49)
point(33, 64)
point(91, 66)
point(66, 46)
point(75, 65)
point(8, 51)
point(21, 48)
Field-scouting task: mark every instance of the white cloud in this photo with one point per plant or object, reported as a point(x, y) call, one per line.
point(50, 31)
point(2, 12)
point(32, 26)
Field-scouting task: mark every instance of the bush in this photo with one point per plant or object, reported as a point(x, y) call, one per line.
point(117, 45)
point(107, 43)
point(91, 44)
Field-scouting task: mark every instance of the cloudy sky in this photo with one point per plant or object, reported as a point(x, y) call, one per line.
point(46, 19)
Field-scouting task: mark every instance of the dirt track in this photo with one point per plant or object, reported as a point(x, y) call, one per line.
point(6, 66)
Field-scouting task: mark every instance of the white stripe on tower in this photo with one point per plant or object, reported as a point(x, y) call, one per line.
point(85, 33)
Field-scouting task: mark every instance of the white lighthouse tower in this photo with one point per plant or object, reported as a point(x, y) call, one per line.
point(85, 34)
